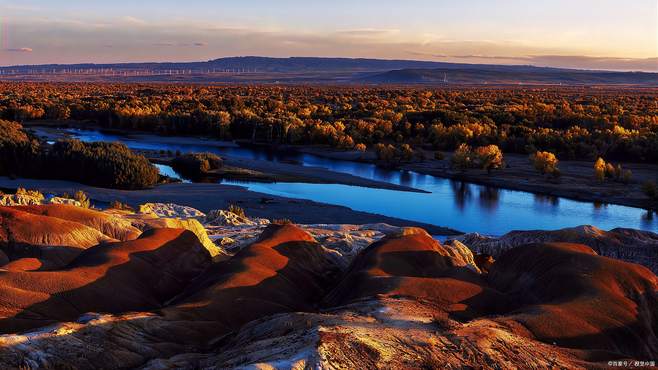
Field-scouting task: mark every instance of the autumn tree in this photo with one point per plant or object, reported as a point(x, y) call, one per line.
point(489, 157)
point(545, 162)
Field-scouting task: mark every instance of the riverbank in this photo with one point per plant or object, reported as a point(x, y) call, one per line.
point(207, 197)
point(241, 169)
point(577, 181)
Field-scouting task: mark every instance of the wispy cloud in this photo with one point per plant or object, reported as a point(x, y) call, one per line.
point(132, 20)
point(127, 38)
point(19, 50)
point(180, 44)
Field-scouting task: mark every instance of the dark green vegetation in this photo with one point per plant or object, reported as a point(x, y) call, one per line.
point(196, 165)
point(572, 123)
point(100, 164)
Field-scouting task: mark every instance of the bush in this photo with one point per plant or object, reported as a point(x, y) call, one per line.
point(115, 204)
point(30, 193)
point(600, 168)
point(650, 189)
point(546, 163)
point(360, 147)
point(463, 157)
point(196, 165)
point(100, 164)
point(83, 198)
point(237, 210)
point(439, 156)
point(489, 157)
point(603, 170)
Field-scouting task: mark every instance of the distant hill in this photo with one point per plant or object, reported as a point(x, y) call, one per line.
point(480, 74)
point(252, 69)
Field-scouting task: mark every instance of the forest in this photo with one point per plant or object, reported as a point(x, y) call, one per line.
point(571, 122)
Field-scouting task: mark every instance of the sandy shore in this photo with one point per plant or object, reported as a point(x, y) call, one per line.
point(207, 197)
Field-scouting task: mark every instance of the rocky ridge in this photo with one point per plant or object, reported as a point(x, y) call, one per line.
point(175, 288)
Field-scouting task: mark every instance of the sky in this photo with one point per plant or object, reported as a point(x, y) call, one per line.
point(592, 34)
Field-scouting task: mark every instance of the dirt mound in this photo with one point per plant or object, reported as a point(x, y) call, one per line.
point(149, 222)
point(571, 297)
point(285, 270)
point(413, 264)
point(52, 240)
point(118, 277)
point(112, 226)
point(406, 301)
point(633, 246)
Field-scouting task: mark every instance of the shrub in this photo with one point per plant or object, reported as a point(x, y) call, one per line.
point(489, 157)
point(463, 157)
point(600, 168)
point(439, 156)
point(603, 170)
point(360, 147)
point(196, 165)
point(83, 198)
point(385, 152)
point(237, 210)
point(545, 163)
point(115, 204)
point(650, 189)
point(30, 193)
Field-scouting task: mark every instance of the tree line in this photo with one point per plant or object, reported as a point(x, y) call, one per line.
point(572, 123)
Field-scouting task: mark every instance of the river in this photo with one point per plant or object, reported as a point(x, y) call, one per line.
point(458, 205)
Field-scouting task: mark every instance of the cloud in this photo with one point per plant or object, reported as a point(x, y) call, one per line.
point(86, 40)
point(132, 20)
point(180, 44)
point(491, 57)
point(369, 32)
point(19, 50)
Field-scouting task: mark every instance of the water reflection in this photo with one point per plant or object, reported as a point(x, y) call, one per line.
point(462, 193)
point(450, 203)
point(489, 198)
point(406, 178)
point(598, 206)
point(649, 220)
point(543, 199)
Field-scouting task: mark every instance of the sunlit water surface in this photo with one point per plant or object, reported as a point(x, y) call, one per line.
point(458, 205)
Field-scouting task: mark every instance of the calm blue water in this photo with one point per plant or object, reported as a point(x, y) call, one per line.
point(462, 206)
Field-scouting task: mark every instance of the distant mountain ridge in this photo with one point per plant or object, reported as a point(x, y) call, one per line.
point(511, 75)
point(257, 69)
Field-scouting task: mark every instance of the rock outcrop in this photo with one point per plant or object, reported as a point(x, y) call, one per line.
point(114, 227)
point(625, 244)
point(54, 241)
point(151, 221)
point(324, 296)
point(9, 200)
point(228, 218)
point(170, 210)
point(118, 277)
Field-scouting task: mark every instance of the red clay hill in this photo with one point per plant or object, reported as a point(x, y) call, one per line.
point(406, 301)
